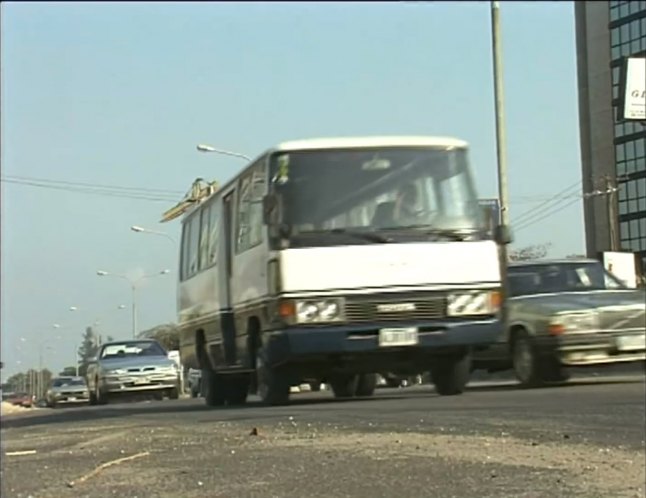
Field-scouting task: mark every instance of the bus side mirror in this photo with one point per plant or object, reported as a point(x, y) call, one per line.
point(502, 235)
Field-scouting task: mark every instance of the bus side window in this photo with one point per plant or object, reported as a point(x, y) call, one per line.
point(242, 238)
point(213, 234)
point(184, 260)
point(193, 244)
point(204, 237)
point(252, 189)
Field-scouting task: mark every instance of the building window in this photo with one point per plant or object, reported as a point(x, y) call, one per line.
point(624, 10)
point(623, 231)
point(614, 39)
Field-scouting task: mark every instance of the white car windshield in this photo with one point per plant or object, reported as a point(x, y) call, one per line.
point(130, 349)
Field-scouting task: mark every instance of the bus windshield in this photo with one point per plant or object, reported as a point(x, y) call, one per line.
point(390, 191)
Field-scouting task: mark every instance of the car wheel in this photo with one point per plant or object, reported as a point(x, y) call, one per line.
point(272, 384)
point(450, 374)
point(366, 384)
point(531, 369)
point(344, 386)
point(101, 398)
point(173, 393)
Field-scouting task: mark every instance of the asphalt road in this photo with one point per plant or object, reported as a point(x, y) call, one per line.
point(583, 439)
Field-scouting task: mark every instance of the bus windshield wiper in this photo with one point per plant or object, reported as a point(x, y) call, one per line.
point(446, 233)
point(368, 236)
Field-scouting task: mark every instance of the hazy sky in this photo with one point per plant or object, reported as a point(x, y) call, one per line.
point(120, 94)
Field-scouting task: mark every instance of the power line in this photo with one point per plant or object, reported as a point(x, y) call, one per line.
point(95, 191)
point(548, 204)
point(93, 185)
point(545, 215)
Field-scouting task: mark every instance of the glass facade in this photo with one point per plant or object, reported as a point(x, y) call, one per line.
point(628, 38)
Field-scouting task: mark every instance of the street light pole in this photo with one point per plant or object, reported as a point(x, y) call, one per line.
point(501, 138)
point(133, 286)
point(501, 134)
point(134, 311)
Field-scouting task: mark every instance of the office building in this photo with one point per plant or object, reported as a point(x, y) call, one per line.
point(612, 151)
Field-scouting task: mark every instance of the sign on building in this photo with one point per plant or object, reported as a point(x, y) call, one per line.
point(632, 90)
point(623, 266)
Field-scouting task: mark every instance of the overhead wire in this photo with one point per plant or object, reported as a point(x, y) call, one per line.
point(93, 185)
point(147, 194)
point(522, 226)
point(564, 195)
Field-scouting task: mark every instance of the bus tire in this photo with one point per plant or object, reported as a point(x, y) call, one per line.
point(366, 384)
point(214, 388)
point(344, 386)
point(237, 389)
point(272, 384)
point(450, 374)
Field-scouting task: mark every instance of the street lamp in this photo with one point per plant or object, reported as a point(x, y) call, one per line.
point(139, 229)
point(96, 322)
point(133, 286)
point(208, 148)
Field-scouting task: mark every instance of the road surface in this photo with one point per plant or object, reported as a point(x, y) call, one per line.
point(584, 439)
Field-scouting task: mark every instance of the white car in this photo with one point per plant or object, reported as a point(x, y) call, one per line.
point(132, 367)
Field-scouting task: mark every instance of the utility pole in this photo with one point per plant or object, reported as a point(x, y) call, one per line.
point(613, 219)
point(501, 139)
point(134, 311)
point(40, 371)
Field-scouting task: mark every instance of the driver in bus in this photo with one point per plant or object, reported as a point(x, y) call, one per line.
point(406, 211)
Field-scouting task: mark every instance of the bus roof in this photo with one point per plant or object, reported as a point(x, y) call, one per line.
point(363, 142)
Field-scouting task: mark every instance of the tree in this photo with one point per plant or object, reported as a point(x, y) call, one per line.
point(68, 372)
point(32, 381)
point(88, 350)
point(167, 335)
point(536, 251)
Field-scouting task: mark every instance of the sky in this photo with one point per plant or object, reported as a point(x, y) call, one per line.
point(120, 94)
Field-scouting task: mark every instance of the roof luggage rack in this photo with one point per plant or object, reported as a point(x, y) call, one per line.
point(200, 191)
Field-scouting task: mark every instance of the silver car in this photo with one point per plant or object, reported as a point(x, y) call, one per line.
point(67, 390)
point(566, 313)
point(132, 367)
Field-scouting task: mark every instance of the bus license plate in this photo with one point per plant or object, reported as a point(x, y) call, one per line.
point(398, 337)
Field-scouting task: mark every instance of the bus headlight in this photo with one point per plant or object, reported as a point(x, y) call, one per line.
point(473, 303)
point(319, 311)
